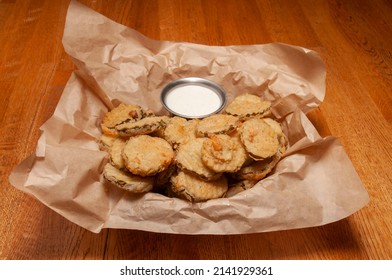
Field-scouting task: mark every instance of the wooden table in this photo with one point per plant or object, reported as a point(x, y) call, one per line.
point(352, 37)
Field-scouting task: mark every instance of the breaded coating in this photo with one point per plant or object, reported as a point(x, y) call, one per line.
point(217, 124)
point(259, 139)
point(115, 153)
point(192, 188)
point(126, 180)
point(143, 126)
point(179, 131)
point(121, 114)
point(222, 153)
point(189, 158)
point(248, 105)
point(145, 155)
point(259, 169)
point(105, 142)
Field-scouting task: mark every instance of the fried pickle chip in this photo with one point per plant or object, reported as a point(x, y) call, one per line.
point(259, 169)
point(248, 105)
point(222, 153)
point(259, 139)
point(195, 189)
point(274, 125)
point(189, 158)
point(179, 130)
point(217, 124)
point(115, 153)
point(143, 126)
point(281, 136)
point(105, 142)
point(145, 155)
point(126, 180)
point(123, 113)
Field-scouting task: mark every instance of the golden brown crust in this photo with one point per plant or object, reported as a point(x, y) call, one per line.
point(259, 139)
point(126, 180)
point(189, 158)
point(145, 155)
point(222, 153)
point(281, 136)
point(194, 189)
point(259, 169)
point(217, 124)
point(247, 105)
point(105, 142)
point(179, 131)
point(115, 153)
point(121, 114)
point(143, 126)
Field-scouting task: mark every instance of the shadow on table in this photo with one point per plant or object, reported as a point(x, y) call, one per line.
point(333, 241)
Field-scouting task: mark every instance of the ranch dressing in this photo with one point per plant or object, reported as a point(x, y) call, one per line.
point(193, 100)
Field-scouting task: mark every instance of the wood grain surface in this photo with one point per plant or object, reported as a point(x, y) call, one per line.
point(352, 37)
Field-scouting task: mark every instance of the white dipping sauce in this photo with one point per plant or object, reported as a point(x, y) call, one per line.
point(193, 100)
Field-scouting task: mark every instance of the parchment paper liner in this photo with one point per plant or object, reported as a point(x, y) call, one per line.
point(314, 184)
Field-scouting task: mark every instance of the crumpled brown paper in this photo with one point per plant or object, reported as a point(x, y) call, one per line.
point(314, 184)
